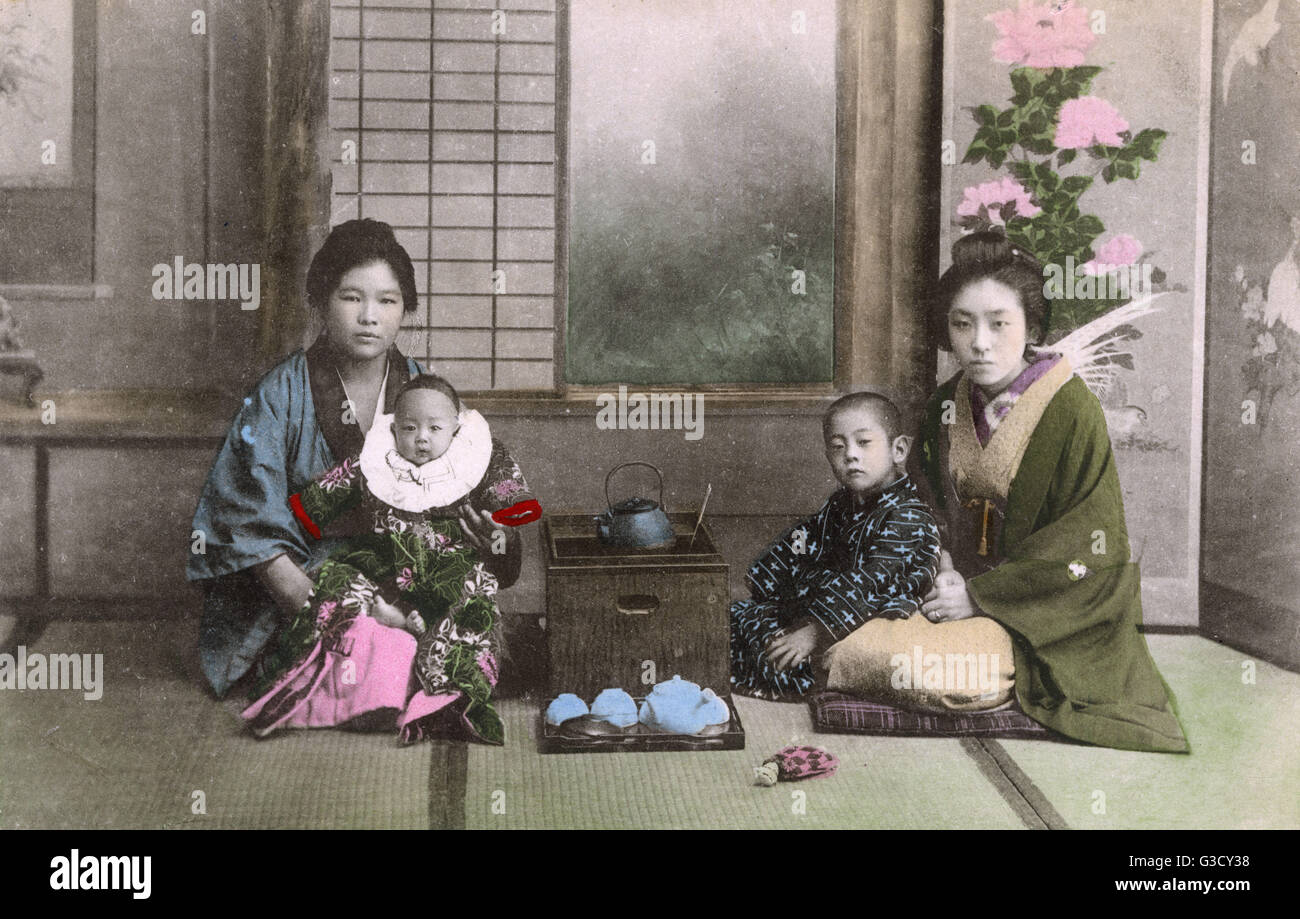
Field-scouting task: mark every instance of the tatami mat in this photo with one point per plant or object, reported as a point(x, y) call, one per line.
point(882, 783)
point(1243, 772)
point(136, 757)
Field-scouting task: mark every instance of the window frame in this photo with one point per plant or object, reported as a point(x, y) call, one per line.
point(47, 235)
point(889, 92)
point(850, 19)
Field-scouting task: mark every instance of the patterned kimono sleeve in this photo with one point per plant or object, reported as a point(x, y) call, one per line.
point(892, 566)
point(335, 492)
point(776, 573)
point(504, 492)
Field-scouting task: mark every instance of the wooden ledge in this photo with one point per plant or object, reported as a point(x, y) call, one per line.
point(29, 293)
point(163, 414)
point(581, 403)
point(172, 414)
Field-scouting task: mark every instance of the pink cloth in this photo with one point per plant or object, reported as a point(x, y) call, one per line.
point(368, 670)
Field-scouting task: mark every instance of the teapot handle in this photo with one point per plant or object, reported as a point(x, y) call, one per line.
point(610, 505)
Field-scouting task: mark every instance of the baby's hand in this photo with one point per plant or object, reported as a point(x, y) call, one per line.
point(385, 613)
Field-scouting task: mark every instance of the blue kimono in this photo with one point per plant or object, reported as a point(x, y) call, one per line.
point(851, 562)
point(293, 427)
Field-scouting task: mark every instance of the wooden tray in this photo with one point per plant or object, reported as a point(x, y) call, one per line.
point(640, 739)
point(569, 541)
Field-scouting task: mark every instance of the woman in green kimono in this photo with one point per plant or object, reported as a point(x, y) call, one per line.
point(1018, 461)
point(304, 417)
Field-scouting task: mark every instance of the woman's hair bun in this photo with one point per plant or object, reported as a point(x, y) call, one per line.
point(989, 249)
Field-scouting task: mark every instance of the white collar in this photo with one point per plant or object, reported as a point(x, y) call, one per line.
point(379, 400)
point(437, 483)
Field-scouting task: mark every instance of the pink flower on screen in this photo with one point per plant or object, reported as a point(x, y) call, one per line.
point(1041, 36)
point(992, 196)
point(1117, 252)
point(405, 578)
point(1089, 120)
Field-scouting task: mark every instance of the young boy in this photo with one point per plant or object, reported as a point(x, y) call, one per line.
point(871, 551)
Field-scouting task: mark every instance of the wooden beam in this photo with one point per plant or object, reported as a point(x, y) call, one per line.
point(296, 210)
point(888, 157)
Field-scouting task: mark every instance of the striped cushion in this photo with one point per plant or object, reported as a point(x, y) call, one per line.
point(838, 713)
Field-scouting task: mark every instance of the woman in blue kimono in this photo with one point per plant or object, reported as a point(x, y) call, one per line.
point(304, 416)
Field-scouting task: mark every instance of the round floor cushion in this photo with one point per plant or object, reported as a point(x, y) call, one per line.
point(962, 666)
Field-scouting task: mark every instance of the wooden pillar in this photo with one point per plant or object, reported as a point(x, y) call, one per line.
point(887, 176)
point(296, 208)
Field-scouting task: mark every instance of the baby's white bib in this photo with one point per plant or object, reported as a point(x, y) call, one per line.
point(442, 481)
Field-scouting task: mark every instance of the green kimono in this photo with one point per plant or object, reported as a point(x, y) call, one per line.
point(1054, 566)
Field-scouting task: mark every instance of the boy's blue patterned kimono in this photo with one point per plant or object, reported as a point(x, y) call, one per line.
point(855, 561)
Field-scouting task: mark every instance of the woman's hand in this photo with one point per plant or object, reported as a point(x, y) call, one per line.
point(948, 600)
point(502, 554)
point(793, 648)
point(286, 582)
point(481, 530)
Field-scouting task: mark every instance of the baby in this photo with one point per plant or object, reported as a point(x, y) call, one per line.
point(425, 419)
point(870, 552)
point(413, 478)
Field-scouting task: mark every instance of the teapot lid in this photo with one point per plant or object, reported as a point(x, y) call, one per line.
point(634, 506)
point(676, 687)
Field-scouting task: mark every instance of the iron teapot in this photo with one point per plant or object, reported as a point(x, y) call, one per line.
point(635, 523)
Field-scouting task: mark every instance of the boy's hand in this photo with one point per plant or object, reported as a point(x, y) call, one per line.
point(793, 648)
